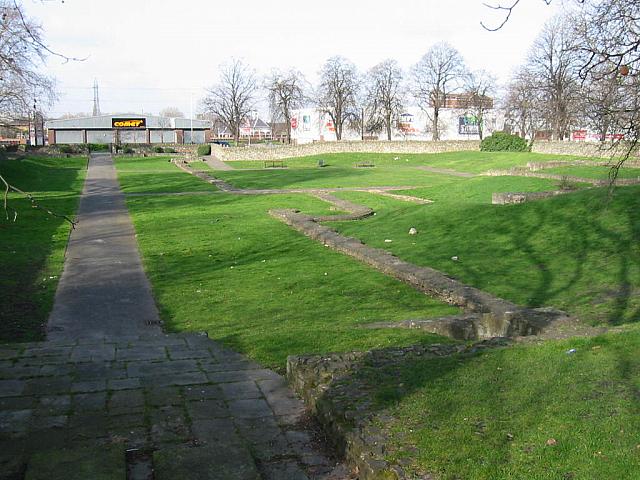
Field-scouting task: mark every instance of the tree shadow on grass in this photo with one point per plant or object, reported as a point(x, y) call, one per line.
point(31, 261)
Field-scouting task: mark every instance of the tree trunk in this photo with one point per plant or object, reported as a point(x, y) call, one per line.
point(434, 135)
point(388, 125)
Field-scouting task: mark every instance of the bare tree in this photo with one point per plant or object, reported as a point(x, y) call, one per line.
point(286, 93)
point(337, 92)
point(553, 62)
point(385, 93)
point(232, 99)
point(523, 105)
point(438, 73)
point(22, 55)
point(171, 112)
point(480, 87)
point(609, 51)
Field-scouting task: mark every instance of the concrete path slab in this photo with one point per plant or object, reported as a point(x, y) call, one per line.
point(103, 291)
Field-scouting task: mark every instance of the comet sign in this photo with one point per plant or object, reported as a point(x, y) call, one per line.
point(128, 123)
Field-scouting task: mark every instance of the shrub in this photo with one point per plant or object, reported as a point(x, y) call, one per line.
point(65, 148)
point(98, 147)
point(169, 150)
point(204, 150)
point(128, 150)
point(504, 142)
point(158, 149)
point(3, 152)
point(11, 148)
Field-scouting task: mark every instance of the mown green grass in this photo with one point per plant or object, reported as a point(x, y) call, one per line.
point(578, 252)
point(222, 264)
point(32, 247)
point(331, 177)
point(594, 172)
point(156, 175)
point(469, 162)
point(489, 416)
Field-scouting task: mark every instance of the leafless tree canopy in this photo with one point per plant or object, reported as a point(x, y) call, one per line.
point(286, 93)
point(385, 94)
point(232, 99)
point(338, 90)
point(171, 112)
point(524, 104)
point(438, 73)
point(480, 87)
point(554, 66)
point(22, 55)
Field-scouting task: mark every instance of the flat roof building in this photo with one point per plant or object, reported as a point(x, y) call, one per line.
point(128, 128)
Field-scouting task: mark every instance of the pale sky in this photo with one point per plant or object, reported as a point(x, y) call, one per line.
point(150, 54)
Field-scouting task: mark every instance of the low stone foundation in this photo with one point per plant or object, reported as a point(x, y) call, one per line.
point(494, 317)
point(510, 198)
point(341, 400)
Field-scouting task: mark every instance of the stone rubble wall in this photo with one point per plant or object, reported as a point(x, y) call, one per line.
point(278, 152)
point(582, 149)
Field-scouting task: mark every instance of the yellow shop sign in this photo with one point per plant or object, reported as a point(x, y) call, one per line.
point(128, 123)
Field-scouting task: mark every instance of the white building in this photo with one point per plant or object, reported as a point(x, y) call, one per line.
point(310, 125)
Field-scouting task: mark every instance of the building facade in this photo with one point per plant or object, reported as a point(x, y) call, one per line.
point(455, 123)
point(128, 129)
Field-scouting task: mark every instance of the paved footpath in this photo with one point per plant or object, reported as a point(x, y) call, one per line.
point(109, 396)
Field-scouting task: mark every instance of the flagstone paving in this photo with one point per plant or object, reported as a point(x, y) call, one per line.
point(109, 396)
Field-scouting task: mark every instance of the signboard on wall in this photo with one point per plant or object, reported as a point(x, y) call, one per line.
point(128, 123)
point(468, 125)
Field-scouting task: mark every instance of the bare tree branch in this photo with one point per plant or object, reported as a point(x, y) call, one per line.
point(34, 204)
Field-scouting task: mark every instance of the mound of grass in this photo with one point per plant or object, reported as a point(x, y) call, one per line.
point(32, 248)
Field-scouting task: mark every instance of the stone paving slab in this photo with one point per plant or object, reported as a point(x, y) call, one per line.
point(185, 409)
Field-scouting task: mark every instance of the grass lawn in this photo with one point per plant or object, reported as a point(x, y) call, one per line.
point(489, 416)
point(156, 175)
point(222, 264)
point(32, 248)
point(594, 172)
point(470, 162)
point(578, 252)
point(332, 176)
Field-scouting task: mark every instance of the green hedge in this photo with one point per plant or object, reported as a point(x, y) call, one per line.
point(204, 150)
point(504, 142)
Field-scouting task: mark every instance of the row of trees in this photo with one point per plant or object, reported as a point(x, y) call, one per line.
point(582, 70)
point(368, 102)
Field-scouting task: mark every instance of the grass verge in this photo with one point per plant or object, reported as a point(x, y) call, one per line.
point(32, 248)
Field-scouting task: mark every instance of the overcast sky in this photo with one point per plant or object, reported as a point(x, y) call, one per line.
point(151, 54)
